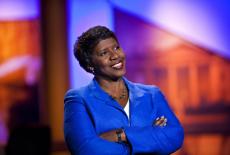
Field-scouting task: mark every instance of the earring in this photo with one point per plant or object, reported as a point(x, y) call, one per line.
point(91, 69)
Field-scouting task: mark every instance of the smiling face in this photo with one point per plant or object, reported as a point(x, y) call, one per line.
point(108, 60)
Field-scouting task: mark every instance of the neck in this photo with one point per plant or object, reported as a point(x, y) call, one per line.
point(110, 84)
point(115, 88)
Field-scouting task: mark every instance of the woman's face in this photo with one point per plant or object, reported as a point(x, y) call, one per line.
point(108, 60)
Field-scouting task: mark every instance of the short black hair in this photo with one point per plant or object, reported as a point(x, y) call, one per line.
point(85, 44)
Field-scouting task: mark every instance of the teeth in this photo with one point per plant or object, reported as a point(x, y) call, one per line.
point(117, 65)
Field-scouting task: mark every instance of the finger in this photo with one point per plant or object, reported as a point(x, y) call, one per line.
point(164, 123)
point(156, 121)
point(159, 121)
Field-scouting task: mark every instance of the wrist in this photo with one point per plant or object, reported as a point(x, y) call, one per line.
point(120, 135)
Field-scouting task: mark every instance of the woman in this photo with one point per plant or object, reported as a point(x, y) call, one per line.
point(111, 115)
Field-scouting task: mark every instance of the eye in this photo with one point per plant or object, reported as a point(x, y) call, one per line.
point(116, 48)
point(102, 53)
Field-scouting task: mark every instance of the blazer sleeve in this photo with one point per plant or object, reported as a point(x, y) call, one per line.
point(156, 139)
point(80, 134)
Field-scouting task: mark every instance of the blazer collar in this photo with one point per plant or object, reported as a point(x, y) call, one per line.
point(97, 91)
point(135, 93)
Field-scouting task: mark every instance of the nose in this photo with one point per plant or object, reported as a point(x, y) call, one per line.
point(113, 54)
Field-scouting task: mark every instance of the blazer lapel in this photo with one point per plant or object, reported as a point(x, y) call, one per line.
point(136, 94)
point(137, 98)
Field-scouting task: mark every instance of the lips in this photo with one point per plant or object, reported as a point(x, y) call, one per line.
point(118, 65)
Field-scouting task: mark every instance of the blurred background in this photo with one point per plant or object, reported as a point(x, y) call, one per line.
point(182, 46)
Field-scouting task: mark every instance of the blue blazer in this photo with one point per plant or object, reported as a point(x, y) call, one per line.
point(90, 111)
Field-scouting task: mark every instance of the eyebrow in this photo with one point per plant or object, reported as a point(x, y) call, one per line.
point(114, 44)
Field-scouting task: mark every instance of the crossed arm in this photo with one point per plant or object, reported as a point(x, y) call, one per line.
point(113, 137)
point(165, 136)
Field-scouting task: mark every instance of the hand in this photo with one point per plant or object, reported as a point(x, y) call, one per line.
point(160, 121)
point(109, 135)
